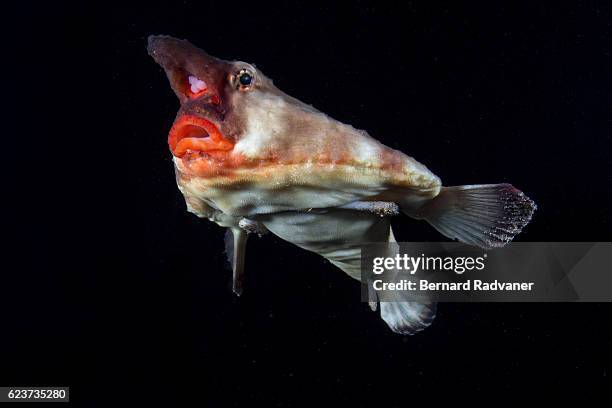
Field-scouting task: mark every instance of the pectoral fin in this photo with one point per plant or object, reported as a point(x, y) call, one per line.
point(235, 248)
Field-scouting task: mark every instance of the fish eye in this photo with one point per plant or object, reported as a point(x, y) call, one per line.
point(244, 79)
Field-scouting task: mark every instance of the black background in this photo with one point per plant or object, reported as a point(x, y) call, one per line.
point(111, 287)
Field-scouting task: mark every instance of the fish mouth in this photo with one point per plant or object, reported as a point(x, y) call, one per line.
point(195, 134)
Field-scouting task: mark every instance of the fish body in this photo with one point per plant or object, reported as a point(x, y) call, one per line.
point(252, 158)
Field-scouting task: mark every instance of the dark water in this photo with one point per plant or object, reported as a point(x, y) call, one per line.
point(111, 287)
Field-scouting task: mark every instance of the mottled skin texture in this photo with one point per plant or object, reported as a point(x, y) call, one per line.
point(285, 154)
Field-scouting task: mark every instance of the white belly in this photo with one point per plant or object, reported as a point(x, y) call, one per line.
point(335, 234)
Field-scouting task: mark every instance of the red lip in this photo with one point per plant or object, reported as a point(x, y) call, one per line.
point(195, 133)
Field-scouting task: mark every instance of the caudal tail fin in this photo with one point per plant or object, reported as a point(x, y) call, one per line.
point(485, 215)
